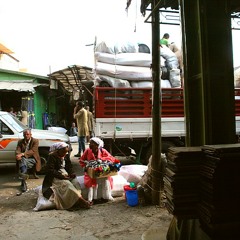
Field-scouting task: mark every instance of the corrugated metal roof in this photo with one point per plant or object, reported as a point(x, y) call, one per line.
point(20, 86)
point(74, 77)
point(174, 4)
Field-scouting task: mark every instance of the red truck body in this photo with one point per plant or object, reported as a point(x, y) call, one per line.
point(124, 118)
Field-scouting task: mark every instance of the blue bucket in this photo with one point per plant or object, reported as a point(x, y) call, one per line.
point(132, 198)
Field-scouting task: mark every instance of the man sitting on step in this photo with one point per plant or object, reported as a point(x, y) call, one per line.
point(27, 157)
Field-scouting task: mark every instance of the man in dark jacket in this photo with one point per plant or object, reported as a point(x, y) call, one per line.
point(27, 157)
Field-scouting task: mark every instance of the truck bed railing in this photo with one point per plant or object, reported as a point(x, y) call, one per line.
point(237, 101)
point(137, 102)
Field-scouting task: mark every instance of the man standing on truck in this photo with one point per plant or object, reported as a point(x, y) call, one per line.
point(164, 40)
point(27, 157)
point(81, 116)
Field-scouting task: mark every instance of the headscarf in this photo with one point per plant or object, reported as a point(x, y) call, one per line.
point(98, 141)
point(57, 146)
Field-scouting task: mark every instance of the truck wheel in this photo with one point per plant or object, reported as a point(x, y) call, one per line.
point(148, 154)
point(165, 146)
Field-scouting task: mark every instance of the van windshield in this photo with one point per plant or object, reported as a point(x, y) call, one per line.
point(13, 122)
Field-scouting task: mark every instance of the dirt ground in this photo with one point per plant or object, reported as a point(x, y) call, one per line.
point(113, 220)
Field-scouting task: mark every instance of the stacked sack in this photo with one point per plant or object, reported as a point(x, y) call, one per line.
point(121, 65)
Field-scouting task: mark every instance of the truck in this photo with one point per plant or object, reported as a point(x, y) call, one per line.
point(11, 130)
point(124, 119)
point(123, 107)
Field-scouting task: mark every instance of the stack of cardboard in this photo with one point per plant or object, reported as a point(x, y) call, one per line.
point(219, 208)
point(181, 180)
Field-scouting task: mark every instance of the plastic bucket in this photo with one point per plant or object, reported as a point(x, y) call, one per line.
point(132, 198)
point(128, 188)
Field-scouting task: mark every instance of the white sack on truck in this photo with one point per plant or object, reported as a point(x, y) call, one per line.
point(149, 84)
point(162, 62)
point(175, 78)
point(124, 72)
point(142, 84)
point(102, 80)
point(237, 77)
point(114, 47)
point(171, 59)
point(126, 59)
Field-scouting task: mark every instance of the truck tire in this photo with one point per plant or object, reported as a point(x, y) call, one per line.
point(165, 146)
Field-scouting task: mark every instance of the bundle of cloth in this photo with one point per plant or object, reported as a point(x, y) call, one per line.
point(123, 65)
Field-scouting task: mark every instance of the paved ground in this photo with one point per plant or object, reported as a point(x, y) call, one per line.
point(114, 220)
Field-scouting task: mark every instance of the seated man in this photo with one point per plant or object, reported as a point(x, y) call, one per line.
point(27, 157)
point(73, 130)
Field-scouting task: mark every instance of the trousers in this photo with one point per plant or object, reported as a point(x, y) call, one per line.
point(81, 144)
point(26, 163)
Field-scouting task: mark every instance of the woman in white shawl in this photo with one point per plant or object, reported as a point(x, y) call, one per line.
point(97, 152)
point(60, 184)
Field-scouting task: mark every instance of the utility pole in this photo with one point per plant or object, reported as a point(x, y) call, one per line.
point(156, 172)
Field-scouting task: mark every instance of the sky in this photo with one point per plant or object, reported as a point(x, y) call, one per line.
point(49, 35)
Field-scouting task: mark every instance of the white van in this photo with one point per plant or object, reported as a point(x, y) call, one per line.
point(11, 130)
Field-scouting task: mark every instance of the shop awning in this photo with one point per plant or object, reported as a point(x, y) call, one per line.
point(20, 86)
point(74, 78)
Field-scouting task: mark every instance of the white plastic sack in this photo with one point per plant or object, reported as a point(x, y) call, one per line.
point(142, 84)
point(37, 189)
point(81, 181)
point(42, 202)
point(113, 82)
point(174, 78)
point(118, 183)
point(117, 188)
point(133, 173)
point(149, 84)
point(126, 59)
point(165, 84)
point(162, 62)
point(171, 58)
point(124, 72)
point(237, 77)
point(57, 129)
point(73, 139)
point(115, 47)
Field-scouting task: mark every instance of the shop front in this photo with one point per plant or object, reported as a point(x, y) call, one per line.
point(19, 90)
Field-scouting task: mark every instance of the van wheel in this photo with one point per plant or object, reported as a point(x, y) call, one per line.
point(43, 157)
